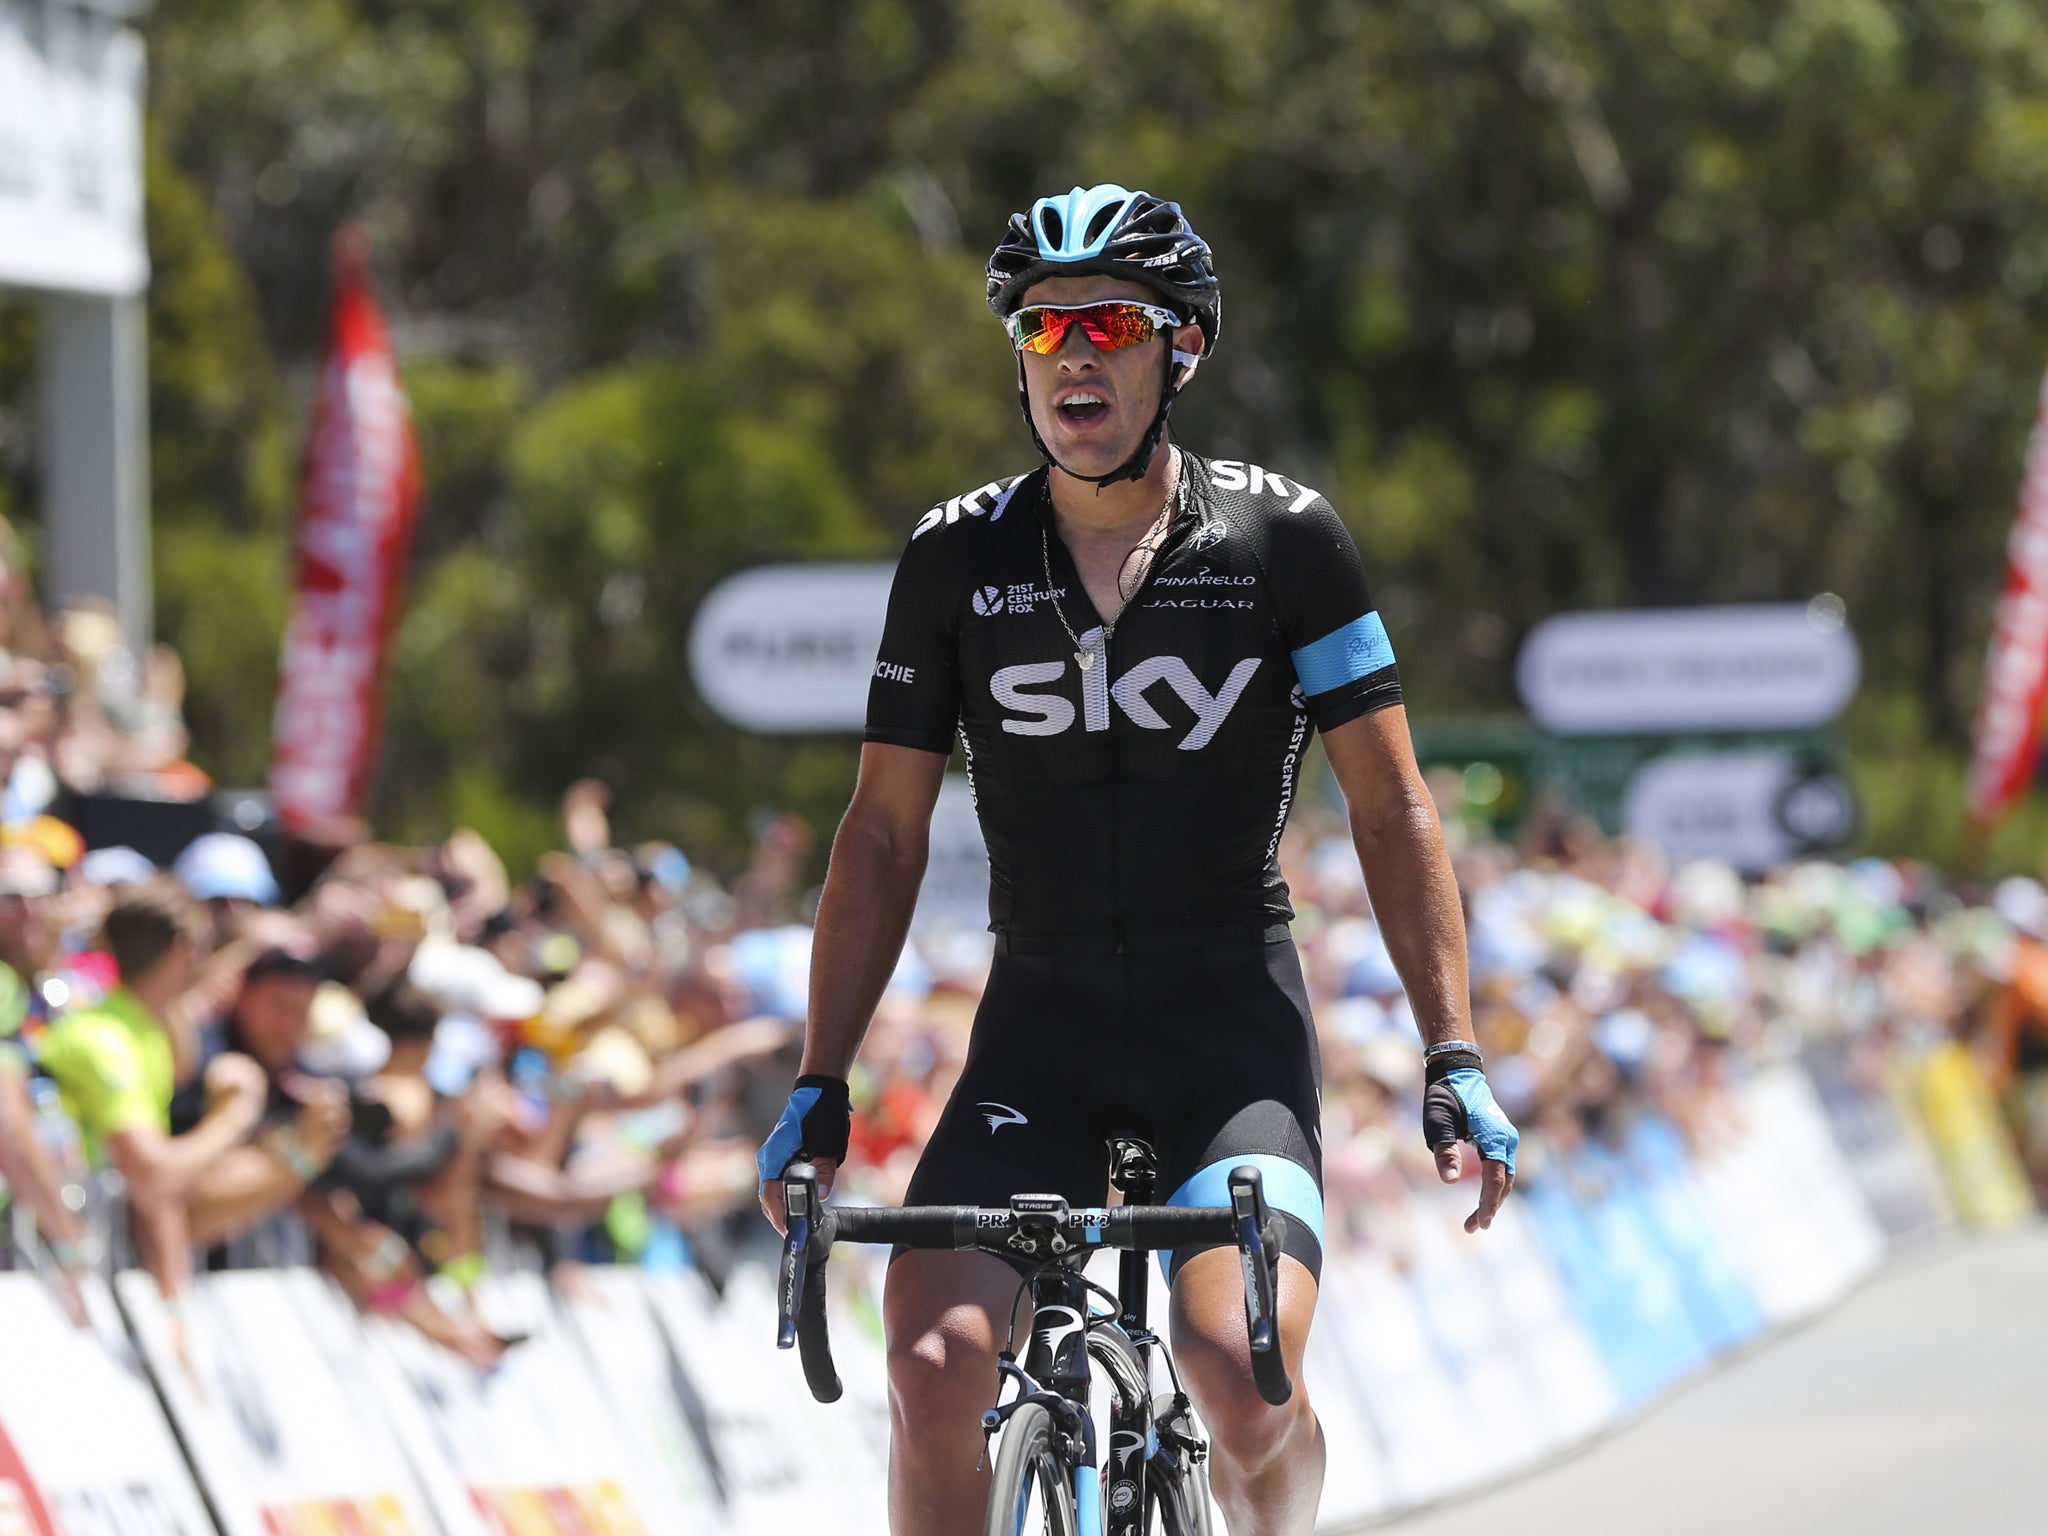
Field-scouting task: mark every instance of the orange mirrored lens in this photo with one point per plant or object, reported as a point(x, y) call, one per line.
point(1040, 330)
point(1109, 326)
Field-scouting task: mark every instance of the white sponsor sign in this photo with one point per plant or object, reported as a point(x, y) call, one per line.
point(955, 890)
point(781, 1456)
point(791, 647)
point(1773, 666)
point(1749, 809)
point(660, 1411)
point(530, 1446)
point(281, 1443)
point(70, 149)
point(83, 1443)
point(1782, 1195)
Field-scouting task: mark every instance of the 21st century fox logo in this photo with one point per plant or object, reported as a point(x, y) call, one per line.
point(989, 600)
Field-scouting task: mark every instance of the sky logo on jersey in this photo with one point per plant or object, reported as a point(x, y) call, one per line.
point(989, 600)
point(1049, 714)
point(989, 501)
point(1234, 475)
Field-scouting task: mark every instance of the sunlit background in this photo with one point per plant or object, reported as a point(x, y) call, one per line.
point(576, 372)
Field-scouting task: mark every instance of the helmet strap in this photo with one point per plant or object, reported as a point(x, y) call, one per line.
point(1140, 460)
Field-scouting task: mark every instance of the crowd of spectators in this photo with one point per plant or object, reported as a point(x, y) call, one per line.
point(413, 1069)
point(418, 1067)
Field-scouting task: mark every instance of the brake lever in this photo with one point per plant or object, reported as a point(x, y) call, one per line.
point(1258, 1233)
point(799, 1207)
point(800, 1287)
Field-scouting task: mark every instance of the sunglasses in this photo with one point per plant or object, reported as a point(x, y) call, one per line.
point(1111, 326)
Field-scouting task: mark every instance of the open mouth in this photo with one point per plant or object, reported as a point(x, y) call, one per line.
point(1082, 408)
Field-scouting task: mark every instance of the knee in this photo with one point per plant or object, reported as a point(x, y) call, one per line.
point(1244, 1429)
point(939, 1376)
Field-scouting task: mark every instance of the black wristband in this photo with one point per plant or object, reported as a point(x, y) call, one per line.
point(1441, 1065)
point(828, 1124)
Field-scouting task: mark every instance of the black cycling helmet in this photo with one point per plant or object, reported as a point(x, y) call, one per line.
point(1119, 233)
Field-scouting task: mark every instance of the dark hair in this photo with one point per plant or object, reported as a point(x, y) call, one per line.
point(280, 961)
point(146, 920)
point(403, 1011)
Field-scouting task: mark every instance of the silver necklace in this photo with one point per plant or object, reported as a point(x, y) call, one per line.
point(1084, 658)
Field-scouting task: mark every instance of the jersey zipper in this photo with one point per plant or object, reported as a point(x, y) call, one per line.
point(1116, 777)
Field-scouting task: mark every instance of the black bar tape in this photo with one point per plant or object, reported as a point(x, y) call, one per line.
point(1269, 1371)
point(813, 1341)
point(914, 1226)
point(1169, 1226)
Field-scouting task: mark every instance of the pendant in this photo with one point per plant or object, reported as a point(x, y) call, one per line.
point(1084, 659)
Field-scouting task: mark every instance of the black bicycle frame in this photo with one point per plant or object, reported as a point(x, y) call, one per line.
point(1055, 1372)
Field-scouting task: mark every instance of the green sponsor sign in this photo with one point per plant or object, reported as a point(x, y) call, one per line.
point(1507, 766)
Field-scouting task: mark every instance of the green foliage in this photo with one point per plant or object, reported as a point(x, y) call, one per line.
point(807, 422)
point(1563, 304)
point(220, 477)
point(19, 326)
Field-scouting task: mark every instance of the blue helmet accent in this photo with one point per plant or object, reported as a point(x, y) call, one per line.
point(1119, 233)
point(1078, 227)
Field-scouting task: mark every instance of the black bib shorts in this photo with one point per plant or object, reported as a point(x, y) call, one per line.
point(1201, 1045)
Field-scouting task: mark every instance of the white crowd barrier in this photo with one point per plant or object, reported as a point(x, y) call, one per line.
point(640, 1403)
point(84, 1449)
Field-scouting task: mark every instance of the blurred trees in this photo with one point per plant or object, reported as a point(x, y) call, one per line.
point(1586, 303)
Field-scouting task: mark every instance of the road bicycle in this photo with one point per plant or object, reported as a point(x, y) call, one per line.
point(1050, 1475)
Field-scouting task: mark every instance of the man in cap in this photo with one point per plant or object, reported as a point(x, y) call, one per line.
point(114, 1067)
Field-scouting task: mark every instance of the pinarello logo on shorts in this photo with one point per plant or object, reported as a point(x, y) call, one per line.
point(989, 600)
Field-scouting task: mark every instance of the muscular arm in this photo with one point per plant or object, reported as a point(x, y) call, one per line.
point(871, 885)
point(26, 1164)
point(1407, 870)
point(242, 1187)
point(161, 1172)
point(535, 1191)
point(878, 859)
point(1414, 895)
point(172, 1165)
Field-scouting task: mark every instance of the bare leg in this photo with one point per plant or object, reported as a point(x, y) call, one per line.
point(942, 1314)
point(1266, 1463)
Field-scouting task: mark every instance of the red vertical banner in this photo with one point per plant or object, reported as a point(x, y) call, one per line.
point(2016, 674)
point(358, 500)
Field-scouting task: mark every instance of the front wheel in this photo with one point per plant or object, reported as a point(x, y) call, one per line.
point(1176, 1486)
point(1029, 1494)
point(1178, 1499)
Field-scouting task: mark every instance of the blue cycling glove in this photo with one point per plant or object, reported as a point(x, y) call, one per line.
point(1458, 1106)
point(815, 1123)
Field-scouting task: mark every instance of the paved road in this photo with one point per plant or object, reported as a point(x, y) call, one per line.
point(1919, 1407)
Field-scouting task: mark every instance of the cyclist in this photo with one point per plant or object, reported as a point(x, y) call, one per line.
point(1132, 643)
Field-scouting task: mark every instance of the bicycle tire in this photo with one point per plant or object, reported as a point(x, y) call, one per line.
point(1176, 1492)
point(1026, 1459)
point(1177, 1500)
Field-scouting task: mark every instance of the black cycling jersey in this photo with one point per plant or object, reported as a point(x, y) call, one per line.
point(1147, 792)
